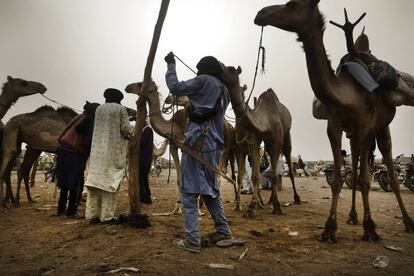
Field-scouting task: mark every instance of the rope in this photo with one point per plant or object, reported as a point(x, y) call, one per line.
point(261, 49)
point(56, 102)
point(185, 64)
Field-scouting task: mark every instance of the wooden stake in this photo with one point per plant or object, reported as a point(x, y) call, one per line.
point(133, 187)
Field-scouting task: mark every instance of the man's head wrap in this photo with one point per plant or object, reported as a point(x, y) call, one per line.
point(113, 95)
point(209, 65)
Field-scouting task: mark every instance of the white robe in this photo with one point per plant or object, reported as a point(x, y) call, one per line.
point(109, 147)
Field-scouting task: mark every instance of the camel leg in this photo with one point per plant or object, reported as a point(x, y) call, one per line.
point(255, 202)
point(274, 158)
point(33, 173)
point(241, 166)
point(7, 180)
point(385, 146)
point(364, 181)
point(287, 151)
point(335, 136)
point(355, 152)
point(174, 154)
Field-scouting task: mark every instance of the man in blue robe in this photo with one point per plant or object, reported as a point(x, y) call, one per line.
point(209, 99)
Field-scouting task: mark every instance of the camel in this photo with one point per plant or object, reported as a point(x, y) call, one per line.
point(269, 122)
point(163, 127)
point(349, 107)
point(157, 152)
point(15, 88)
point(40, 130)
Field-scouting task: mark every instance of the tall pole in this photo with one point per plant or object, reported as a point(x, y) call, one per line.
point(134, 149)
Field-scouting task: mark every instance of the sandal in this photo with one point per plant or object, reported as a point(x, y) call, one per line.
point(184, 244)
point(212, 238)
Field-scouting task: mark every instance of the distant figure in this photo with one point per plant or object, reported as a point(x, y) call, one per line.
point(280, 171)
point(247, 182)
point(302, 165)
point(346, 159)
point(371, 156)
point(145, 159)
point(73, 151)
point(52, 170)
point(108, 158)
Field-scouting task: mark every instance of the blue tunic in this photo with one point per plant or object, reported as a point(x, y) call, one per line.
point(203, 92)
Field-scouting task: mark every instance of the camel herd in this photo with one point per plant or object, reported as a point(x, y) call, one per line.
point(348, 108)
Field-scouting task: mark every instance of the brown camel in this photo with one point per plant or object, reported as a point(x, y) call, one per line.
point(163, 127)
point(349, 107)
point(269, 122)
point(15, 88)
point(39, 130)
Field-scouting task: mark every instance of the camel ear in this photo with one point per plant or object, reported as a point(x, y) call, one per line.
point(314, 3)
point(239, 70)
point(9, 78)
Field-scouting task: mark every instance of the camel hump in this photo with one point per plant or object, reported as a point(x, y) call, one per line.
point(44, 108)
point(269, 94)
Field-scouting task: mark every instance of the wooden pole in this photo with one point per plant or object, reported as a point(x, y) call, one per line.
point(135, 211)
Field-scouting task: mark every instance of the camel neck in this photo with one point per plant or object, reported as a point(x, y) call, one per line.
point(237, 100)
point(158, 122)
point(6, 100)
point(320, 72)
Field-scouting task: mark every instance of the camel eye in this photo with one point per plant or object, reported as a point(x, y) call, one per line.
point(291, 4)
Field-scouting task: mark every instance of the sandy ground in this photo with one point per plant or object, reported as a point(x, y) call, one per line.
point(34, 242)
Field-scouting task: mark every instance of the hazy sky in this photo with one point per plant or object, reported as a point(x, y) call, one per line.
point(78, 48)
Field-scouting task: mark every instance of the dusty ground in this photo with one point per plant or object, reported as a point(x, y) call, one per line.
point(34, 242)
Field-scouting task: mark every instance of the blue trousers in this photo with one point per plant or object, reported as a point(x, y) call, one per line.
point(190, 211)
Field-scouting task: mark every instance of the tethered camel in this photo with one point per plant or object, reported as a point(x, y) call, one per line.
point(350, 108)
point(40, 130)
point(269, 122)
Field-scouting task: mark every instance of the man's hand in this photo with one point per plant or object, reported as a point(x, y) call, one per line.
point(170, 58)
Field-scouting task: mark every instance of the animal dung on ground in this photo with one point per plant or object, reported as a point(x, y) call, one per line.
point(222, 266)
point(381, 262)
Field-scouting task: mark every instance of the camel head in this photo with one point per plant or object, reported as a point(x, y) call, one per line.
point(299, 16)
point(135, 88)
point(20, 87)
point(231, 76)
point(180, 101)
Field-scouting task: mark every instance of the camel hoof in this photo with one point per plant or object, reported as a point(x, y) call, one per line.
point(329, 233)
point(278, 212)
point(353, 217)
point(297, 200)
point(409, 224)
point(250, 213)
point(369, 231)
